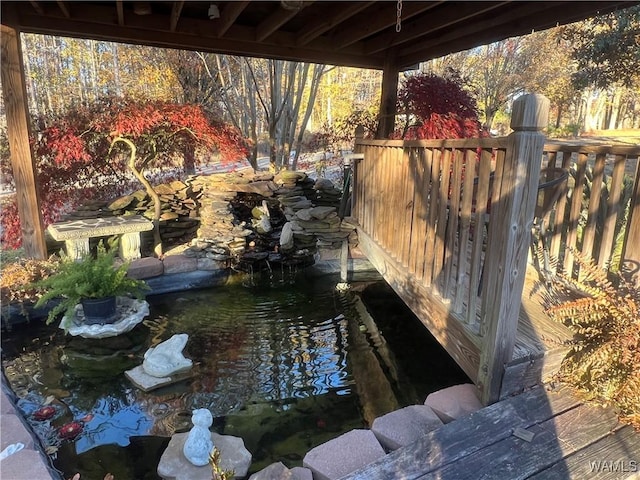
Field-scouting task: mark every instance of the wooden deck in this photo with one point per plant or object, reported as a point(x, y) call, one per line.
point(537, 435)
point(541, 343)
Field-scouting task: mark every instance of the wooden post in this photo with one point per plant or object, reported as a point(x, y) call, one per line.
point(388, 98)
point(509, 239)
point(631, 250)
point(15, 100)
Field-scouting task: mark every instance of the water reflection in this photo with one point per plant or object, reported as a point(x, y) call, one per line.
point(285, 366)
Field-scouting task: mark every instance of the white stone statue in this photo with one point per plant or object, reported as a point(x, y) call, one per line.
point(166, 358)
point(198, 445)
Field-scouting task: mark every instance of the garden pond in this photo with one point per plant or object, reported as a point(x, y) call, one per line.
point(286, 364)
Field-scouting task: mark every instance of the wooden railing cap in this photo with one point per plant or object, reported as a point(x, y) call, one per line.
point(530, 112)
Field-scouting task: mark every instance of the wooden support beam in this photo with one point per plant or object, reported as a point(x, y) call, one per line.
point(427, 24)
point(120, 12)
point(37, 7)
point(273, 22)
point(15, 100)
point(631, 249)
point(175, 15)
point(388, 98)
point(229, 15)
point(321, 25)
point(64, 9)
point(383, 18)
point(512, 208)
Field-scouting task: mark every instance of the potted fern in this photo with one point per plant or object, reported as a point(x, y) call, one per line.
point(93, 282)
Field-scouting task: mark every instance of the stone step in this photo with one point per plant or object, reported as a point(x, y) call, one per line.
point(278, 471)
point(342, 455)
point(402, 427)
point(454, 402)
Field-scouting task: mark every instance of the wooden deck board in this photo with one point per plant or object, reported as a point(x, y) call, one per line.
point(568, 435)
point(457, 440)
point(613, 457)
point(517, 459)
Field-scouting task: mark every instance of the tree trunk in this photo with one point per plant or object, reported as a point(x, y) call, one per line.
point(157, 209)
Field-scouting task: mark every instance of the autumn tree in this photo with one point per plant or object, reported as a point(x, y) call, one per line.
point(607, 48)
point(546, 63)
point(63, 71)
point(607, 51)
point(437, 107)
point(114, 135)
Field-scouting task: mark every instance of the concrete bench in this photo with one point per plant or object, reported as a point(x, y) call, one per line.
point(76, 234)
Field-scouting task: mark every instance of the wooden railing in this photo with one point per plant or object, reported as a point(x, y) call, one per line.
point(449, 222)
point(594, 213)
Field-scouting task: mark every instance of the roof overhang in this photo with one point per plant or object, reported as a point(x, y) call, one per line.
point(359, 34)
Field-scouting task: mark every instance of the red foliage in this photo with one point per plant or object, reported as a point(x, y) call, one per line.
point(74, 162)
point(441, 107)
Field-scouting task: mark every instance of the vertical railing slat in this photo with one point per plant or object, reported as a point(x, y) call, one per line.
point(613, 210)
point(574, 213)
point(421, 169)
point(443, 220)
point(462, 285)
point(408, 186)
point(482, 199)
point(588, 240)
point(434, 208)
point(451, 246)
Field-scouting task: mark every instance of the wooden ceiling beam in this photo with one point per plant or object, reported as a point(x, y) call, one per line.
point(228, 16)
point(64, 9)
point(120, 12)
point(429, 23)
point(273, 22)
point(314, 29)
point(385, 17)
point(510, 16)
point(175, 15)
point(517, 21)
point(37, 7)
point(194, 34)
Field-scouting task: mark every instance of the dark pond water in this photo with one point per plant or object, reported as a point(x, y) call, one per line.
point(285, 365)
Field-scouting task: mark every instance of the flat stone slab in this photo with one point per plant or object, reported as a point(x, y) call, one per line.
point(175, 466)
point(179, 264)
point(454, 402)
point(405, 426)
point(146, 382)
point(342, 455)
point(99, 227)
point(26, 464)
point(146, 267)
point(278, 471)
point(19, 433)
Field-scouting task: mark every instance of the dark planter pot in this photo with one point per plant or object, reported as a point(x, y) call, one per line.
point(99, 310)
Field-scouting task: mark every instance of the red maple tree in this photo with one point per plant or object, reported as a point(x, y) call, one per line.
point(86, 152)
point(437, 107)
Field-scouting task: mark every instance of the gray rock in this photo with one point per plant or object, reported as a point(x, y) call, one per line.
point(322, 212)
point(233, 456)
point(286, 237)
